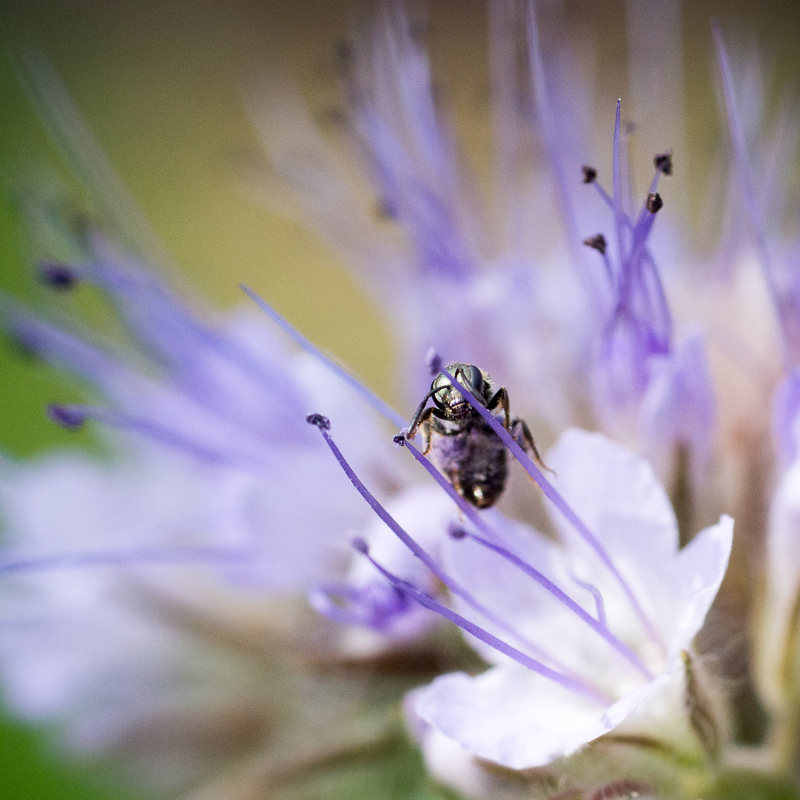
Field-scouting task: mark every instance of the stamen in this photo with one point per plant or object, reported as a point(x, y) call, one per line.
point(654, 202)
point(597, 242)
point(66, 416)
point(370, 397)
point(323, 424)
point(529, 570)
point(619, 214)
point(560, 503)
point(604, 196)
point(546, 115)
point(483, 635)
point(123, 558)
point(663, 163)
point(433, 361)
point(74, 416)
point(59, 276)
point(589, 174)
point(736, 131)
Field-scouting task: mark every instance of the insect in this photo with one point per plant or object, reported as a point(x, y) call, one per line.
point(465, 447)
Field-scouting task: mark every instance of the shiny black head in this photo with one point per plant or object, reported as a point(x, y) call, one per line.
point(449, 399)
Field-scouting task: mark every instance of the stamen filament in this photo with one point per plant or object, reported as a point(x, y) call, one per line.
point(483, 635)
point(323, 425)
point(73, 416)
point(741, 160)
point(528, 569)
point(384, 409)
point(616, 172)
point(598, 599)
point(552, 494)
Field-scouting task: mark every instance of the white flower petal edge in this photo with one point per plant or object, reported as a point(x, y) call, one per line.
point(518, 719)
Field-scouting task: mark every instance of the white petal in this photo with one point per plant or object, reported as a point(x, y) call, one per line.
point(517, 599)
point(600, 478)
point(616, 494)
point(510, 716)
point(694, 580)
point(518, 719)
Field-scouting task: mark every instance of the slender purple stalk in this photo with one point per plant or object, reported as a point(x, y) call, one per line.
point(74, 415)
point(616, 170)
point(736, 131)
point(323, 425)
point(528, 569)
point(483, 635)
point(559, 502)
point(371, 398)
point(546, 114)
point(598, 598)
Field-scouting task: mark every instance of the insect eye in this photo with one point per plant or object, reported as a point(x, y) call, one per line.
point(473, 378)
point(440, 394)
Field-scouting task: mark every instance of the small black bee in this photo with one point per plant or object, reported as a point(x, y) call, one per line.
point(465, 447)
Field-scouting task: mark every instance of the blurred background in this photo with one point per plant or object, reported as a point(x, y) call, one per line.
point(162, 87)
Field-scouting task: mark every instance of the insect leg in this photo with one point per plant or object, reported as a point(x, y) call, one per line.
point(501, 399)
point(424, 425)
point(420, 415)
point(522, 435)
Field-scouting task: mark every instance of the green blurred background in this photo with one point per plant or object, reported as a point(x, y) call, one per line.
point(161, 86)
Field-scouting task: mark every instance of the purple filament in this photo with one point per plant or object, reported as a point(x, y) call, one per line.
point(122, 558)
point(483, 635)
point(619, 214)
point(159, 302)
point(546, 114)
point(323, 425)
point(736, 131)
point(73, 416)
point(552, 494)
point(371, 398)
point(530, 571)
point(598, 599)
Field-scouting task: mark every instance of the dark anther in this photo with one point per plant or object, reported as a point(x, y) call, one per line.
point(434, 361)
point(456, 531)
point(65, 417)
point(323, 423)
point(399, 438)
point(58, 276)
point(589, 174)
point(597, 242)
point(360, 545)
point(654, 202)
point(663, 163)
